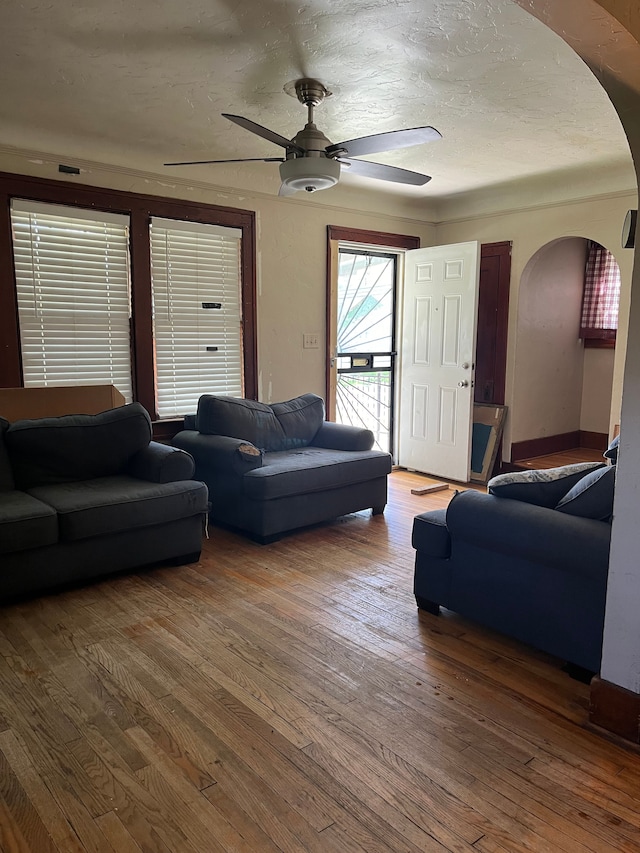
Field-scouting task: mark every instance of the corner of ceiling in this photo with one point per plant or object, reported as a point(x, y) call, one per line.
point(553, 188)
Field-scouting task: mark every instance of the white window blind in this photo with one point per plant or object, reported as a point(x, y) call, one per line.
point(72, 281)
point(197, 313)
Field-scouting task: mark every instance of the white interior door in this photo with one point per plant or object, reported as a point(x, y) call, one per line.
point(437, 355)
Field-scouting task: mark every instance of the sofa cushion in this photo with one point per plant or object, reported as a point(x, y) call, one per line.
point(239, 418)
point(430, 534)
point(25, 522)
point(300, 419)
point(111, 504)
point(312, 469)
point(592, 496)
point(76, 447)
point(541, 487)
point(6, 473)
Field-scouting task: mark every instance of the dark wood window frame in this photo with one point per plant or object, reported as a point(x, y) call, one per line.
point(594, 337)
point(140, 209)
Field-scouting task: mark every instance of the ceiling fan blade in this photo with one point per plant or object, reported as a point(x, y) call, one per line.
point(241, 160)
point(384, 173)
point(264, 132)
point(385, 141)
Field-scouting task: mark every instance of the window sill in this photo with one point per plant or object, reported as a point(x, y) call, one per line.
point(164, 430)
point(599, 343)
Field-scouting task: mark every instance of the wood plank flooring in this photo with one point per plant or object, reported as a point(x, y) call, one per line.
point(565, 457)
point(290, 697)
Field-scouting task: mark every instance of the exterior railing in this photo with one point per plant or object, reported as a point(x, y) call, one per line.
point(364, 399)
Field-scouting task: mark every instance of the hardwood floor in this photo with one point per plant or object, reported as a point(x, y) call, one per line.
point(290, 697)
point(566, 457)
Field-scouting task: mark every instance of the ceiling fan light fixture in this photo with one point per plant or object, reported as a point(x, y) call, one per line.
point(310, 173)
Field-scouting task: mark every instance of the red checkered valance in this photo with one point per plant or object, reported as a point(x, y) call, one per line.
point(601, 298)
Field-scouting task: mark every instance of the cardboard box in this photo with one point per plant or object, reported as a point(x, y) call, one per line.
point(18, 403)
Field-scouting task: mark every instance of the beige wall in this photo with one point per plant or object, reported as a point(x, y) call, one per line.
point(292, 297)
point(529, 228)
point(597, 384)
point(547, 387)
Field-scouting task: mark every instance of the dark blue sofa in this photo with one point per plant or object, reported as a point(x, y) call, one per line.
point(534, 572)
point(86, 495)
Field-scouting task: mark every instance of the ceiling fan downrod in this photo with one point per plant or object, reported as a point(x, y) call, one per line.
point(308, 91)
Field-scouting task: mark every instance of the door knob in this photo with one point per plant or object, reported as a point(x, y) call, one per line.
point(463, 384)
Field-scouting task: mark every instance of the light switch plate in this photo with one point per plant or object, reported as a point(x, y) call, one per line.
point(311, 341)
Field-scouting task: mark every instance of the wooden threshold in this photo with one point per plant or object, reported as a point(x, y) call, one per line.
point(290, 697)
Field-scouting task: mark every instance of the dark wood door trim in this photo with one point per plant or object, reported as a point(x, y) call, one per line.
point(375, 238)
point(500, 255)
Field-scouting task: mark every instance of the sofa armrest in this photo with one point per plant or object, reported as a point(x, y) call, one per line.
point(219, 452)
point(343, 437)
point(536, 533)
point(160, 463)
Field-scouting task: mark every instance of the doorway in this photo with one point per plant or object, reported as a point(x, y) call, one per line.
point(562, 385)
point(363, 270)
point(365, 374)
point(365, 356)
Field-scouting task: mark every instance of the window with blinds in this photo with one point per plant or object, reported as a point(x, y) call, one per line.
point(197, 313)
point(73, 290)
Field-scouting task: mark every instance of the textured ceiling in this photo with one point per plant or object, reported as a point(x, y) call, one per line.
point(135, 84)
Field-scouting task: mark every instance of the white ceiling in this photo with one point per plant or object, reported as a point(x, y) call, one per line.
point(135, 84)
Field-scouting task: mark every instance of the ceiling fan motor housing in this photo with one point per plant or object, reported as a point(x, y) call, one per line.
point(310, 173)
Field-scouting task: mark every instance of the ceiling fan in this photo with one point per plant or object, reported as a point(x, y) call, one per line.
point(312, 162)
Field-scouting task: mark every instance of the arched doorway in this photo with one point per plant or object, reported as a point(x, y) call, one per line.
point(606, 34)
point(563, 385)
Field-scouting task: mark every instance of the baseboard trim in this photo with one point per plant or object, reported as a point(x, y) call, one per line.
point(544, 446)
point(533, 447)
point(594, 440)
point(509, 468)
point(615, 709)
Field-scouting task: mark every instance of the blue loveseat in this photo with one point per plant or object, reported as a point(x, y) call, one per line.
point(528, 559)
point(274, 468)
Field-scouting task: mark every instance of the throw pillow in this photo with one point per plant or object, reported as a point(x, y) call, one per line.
point(542, 487)
point(592, 496)
point(612, 451)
